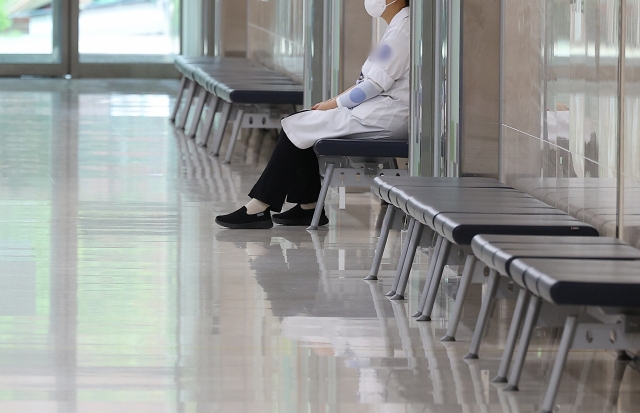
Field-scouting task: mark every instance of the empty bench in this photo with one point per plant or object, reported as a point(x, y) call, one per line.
point(455, 212)
point(599, 291)
point(253, 95)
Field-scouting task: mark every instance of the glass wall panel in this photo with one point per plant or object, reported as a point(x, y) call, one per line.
point(630, 220)
point(426, 55)
point(128, 27)
point(560, 104)
point(27, 28)
point(276, 35)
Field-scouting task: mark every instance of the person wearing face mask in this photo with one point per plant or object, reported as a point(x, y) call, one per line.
point(377, 106)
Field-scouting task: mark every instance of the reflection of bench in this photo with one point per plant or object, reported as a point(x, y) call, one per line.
point(257, 97)
point(596, 281)
point(355, 161)
point(592, 200)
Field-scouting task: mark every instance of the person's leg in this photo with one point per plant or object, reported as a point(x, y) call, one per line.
point(303, 191)
point(305, 183)
point(288, 171)
point(270, 191)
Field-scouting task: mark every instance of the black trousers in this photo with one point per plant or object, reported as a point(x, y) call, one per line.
point(291, 173)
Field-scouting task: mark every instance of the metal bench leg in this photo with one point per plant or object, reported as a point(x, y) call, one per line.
point(483, 317)
point(202, 98)
point(443, 257)
point(176, 106)
point(403, 255)
point(463, 288)
point(411, 254)
point(234, 135)
point(433, 261)
point(214, 148)
point(182, 120)
point(382, 242)
point(512, 336)
point(328, 174)
point(205, 130)
point(523, 346)
point(561, 359)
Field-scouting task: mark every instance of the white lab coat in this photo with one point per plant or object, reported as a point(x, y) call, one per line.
point(384, 116)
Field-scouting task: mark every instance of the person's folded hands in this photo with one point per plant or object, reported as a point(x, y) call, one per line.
point(326, 105)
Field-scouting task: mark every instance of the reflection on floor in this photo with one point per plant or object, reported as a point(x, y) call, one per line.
point(120, 294)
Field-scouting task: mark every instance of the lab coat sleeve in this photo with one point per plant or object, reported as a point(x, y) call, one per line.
point(389, 61)
point(364, 90)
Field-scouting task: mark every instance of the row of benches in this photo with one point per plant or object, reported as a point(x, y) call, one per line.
point(552, 257)
point(237, 88)
point(258, 97)
point(592, 283)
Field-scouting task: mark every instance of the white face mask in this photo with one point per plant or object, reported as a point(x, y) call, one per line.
point(376, 7)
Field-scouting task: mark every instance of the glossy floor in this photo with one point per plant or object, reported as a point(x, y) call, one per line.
point(120, 294)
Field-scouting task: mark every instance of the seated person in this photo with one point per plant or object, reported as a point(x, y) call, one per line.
point(378, 105)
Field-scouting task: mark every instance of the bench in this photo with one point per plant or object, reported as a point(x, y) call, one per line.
point(254, 95)
point(355, 161)
point(456, 214)
point(604, 291)
point(499, 251)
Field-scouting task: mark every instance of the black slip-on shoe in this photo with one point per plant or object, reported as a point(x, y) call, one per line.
point(297, 216)
point(241, 220)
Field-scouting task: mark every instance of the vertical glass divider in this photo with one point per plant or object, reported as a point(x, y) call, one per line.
point(622, 30)
point(337, 41)
point(314, 17)
point(73, 35)
point(501, 174)
point(421, 147)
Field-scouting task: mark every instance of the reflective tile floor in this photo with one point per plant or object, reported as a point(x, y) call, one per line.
point(120, 294)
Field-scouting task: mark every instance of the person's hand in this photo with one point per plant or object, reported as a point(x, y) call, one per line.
point(327, 105)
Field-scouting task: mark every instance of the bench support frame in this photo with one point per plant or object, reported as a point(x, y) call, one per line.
point(212, 104)
point(348, 171)
point(382, 241)
point(561, 359)
point(176, 105)
point(252, 117)
point(408, 261)
point(182, 118)
point(530, 320)
point(202, 99)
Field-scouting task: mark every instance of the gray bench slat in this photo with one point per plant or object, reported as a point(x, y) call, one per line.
point(461, 228)
point(581, 282)
point(363, 146)
point(497, 251)
point(240, 80)
point(382, 185)
point(426, 212)
point(400, 196)
point(430, 214)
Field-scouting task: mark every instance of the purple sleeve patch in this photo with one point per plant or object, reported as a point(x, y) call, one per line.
point(357, 96)
point(384, 52)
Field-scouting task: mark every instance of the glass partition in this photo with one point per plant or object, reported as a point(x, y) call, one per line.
point(30, 31)
point(630, 184)
point(421, 123)
point(435, 78)
point(147, 29)
point(560, 105)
